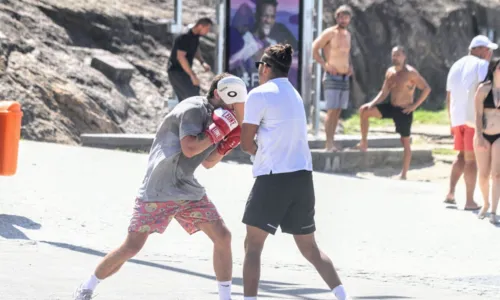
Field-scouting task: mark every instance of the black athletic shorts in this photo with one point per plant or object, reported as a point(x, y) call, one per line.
point(182, 85)
point(401, 120)
point(286, 200)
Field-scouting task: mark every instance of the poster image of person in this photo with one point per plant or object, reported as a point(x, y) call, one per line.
point(255, 25)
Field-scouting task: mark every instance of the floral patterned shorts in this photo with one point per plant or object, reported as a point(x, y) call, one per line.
point(153, 217)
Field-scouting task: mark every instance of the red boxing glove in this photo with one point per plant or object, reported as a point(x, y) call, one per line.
point(231, 141)
point(224, 122)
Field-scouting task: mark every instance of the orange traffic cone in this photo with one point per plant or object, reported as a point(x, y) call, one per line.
point(10, 133)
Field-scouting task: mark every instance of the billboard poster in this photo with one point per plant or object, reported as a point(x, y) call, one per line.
point(253, 25)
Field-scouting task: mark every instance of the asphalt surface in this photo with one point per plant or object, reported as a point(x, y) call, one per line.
point(68, 206)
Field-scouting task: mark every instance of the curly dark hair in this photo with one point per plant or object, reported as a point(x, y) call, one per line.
point(279, 58)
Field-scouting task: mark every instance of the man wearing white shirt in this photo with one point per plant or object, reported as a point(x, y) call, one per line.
point(283, 192)
point(463, 78)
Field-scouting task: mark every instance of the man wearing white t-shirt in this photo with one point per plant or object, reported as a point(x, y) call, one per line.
point(463, 78)
point(283, 192)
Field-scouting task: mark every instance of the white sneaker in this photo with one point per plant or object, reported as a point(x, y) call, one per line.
point(83, 294)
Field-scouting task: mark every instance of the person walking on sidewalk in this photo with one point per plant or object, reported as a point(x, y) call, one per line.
point(199, 130)
point(184, 81)
point(283, 192)
point(461, 85)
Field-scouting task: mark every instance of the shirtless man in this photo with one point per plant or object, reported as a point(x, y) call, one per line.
point(400, 81)
point(336, 45)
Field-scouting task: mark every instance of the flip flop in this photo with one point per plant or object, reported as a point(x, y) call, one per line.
point(472, 209)
point(450, 201)
point(493, 219)
point(482, 214)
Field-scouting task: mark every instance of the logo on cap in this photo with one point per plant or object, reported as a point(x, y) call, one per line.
point(232, 94)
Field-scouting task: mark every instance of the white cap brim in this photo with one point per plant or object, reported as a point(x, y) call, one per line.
point(493, 46)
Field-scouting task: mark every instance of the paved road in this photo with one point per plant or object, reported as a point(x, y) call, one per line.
point(68, 206)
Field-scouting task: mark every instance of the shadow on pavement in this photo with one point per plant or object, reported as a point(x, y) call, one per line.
point(475, 212)
point(272, 287)
point(352, 175)
point(382, 297)
point(8, 229)
point(395, 171)
point(486, 218)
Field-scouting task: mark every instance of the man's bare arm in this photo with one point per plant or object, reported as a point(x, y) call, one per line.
point(198, 56)
point(384, 92)
point(181, 57)
point(319, 43)
point(351, 66)
point(422, 85)
point(448, 103)
point(194, 145)
point(247, 143)
point(214, 158)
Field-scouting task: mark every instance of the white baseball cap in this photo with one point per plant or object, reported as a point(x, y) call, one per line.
point(232, 90)
point(482, 41)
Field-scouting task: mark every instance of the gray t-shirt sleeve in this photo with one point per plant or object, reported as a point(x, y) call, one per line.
point(191, 122)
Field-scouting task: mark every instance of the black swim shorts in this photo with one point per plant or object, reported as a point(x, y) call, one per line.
point(401, 120)
point(283, 200)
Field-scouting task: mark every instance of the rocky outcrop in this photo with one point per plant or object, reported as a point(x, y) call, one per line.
point(46, 49)
point(435, 34)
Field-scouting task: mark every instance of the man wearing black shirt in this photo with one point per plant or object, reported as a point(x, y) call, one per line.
point(186, 47)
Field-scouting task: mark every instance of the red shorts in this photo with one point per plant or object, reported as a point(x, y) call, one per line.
point(463, 136)
point(153, 217)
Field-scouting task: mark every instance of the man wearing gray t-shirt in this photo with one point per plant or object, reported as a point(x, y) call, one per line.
point(199, 130)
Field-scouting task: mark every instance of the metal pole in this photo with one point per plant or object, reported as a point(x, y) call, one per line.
point(178, 12)
point(306, 66)
point(317, 79)
point(221, 37)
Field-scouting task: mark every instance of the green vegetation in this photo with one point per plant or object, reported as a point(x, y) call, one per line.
point(428, 117)
point(420, 116)
point(443, 151)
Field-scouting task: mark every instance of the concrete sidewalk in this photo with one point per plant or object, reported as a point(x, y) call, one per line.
point(68, 206)
point(50, 271)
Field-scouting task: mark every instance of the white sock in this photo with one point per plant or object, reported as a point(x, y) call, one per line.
point(340, 293)
point(224, 290)
point(91, 283)
point(250, 298)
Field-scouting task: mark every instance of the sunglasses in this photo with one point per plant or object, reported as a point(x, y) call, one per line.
point(258, 63)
